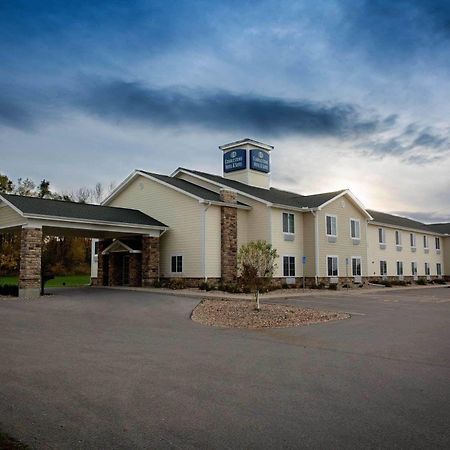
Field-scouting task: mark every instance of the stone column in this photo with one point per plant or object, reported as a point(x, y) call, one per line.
point(228, 231)
point(135, 270)
point(30, 262)
point(150, 260)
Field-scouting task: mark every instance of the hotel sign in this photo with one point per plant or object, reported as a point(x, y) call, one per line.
point(234, 160)
point(259, 161)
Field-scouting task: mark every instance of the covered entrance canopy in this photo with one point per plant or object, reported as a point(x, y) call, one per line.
point(37, 217)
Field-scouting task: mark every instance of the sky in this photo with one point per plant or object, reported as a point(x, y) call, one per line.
point(351, 93)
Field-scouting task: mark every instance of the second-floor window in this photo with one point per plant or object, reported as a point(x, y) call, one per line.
point(355, 229)
point(398, 237)
point(331, 225)
point(412, 240)
point(381, 236)
point(288, 223)
point(425, 242)
point(438, 243)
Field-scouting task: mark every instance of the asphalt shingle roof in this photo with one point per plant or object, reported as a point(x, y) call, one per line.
point(272, 195)
point(440, 227)
point(81, 211)
point(391, 219)
point(191, 188)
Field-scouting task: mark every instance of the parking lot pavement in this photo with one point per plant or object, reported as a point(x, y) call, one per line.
point(97, 368)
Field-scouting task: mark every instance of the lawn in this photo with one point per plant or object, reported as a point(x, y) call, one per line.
point(59, 281)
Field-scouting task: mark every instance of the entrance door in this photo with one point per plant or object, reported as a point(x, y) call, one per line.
point(126, 270)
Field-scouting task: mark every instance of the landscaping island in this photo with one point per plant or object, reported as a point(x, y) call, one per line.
point(242, 314)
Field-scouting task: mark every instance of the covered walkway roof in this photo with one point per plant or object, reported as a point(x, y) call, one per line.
point(69, 218)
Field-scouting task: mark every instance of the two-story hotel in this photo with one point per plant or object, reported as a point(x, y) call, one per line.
point(328, 237)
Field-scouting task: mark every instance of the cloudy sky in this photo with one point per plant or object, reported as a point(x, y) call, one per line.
point(352, 94)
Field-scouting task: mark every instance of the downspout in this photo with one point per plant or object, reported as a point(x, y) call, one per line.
point(207, 205)
point(316, 245)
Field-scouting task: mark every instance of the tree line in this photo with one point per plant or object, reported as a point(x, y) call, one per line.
point(61, 255)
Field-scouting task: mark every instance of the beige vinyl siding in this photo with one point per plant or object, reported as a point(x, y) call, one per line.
point(242, 227)
point(445, 245)
point(286, 247)
point(183, 214)
point(9, 217)
point(258, 220)
point(213, 236)
point(194, 180)
point(391, 255)
point(344, 209)
point(309, 232)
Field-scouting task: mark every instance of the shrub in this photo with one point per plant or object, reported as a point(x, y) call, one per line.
point(318, 286)
point(206, 286)
point(439, 281)
point(386, 283)
point(157, 284)
point(421, 282)
point(333, 286)
point(9, 290)
point(177, 283)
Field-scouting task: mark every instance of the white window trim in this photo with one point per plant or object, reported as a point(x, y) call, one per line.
point(400, 240)
point(359, 228)
point(288, 232)
point(360, 265)
point(439, 272)
point(426, 242)
point(182, 263)
point(403, 268)
point(386, 264)
point(383, 234)
point(427, 268)
point(326, 230)
point(332, 256)
point(295, 265)
point(436, 240)
point(414, 240)
point(416, 267)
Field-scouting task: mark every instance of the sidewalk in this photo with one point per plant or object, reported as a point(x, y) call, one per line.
point(279, 294)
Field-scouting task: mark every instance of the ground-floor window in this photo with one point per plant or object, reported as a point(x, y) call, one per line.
point(289, 266)
point(399, 268)
point(356, 266)
point(414, 268)
point(332, 266)
point(438, 269)
point(427, 269)
point(177, 264)
point(383, 268)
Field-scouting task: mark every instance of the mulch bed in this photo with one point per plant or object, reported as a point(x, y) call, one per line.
point(242, 314)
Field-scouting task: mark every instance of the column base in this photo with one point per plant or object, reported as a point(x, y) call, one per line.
point(29, 292)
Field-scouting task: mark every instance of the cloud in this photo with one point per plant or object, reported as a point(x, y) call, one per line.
point(415, 145)
point(14, 114)
point(426, 216)
point(123, 101)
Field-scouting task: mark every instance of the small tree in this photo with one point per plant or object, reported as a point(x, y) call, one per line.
point(256, 264)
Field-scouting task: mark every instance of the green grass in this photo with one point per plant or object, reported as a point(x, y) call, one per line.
point(59, 281)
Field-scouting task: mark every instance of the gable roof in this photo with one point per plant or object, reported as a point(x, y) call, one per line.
point(399, 221)
point(272, 195)
point(191, 188)
point(55, 209)
point(443, 228)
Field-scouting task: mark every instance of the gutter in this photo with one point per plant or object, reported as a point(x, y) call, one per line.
point(206, 207)
point(316, 245)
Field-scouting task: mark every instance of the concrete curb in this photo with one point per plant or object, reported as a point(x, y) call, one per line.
point(269, 296)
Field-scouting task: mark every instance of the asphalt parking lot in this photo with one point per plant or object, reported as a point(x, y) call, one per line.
point(96, 368)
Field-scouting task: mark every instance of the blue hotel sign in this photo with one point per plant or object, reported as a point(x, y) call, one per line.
point(259, 161)
point(234, 160)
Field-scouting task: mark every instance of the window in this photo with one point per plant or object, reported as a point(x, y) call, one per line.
point(398, 237)
point(399, 268)
point(289, 266)
point(412, 240)
point(427, 269)
point(438, 269)
point(332, 266)
point(96, 247)
point(331, 225)
point(381, 236)
point(355, 229)
point(356, 266)
point(177, 264)
point(414, 268)
point(288, 223)
point(425, 242)
point(383, 268)
point(438, 243)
